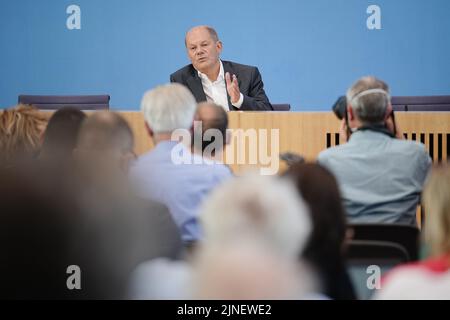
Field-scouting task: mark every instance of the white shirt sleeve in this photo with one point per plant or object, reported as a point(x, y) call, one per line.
point(240, 101)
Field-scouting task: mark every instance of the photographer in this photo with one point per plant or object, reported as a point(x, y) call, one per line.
point(340, 110)
point(380, 174)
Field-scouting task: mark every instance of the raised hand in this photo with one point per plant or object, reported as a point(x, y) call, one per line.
point(232, 87)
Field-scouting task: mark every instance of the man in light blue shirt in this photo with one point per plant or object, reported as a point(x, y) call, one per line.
point(380, 175)
point(161, 174)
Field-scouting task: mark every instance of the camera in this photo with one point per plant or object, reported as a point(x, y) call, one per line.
point(340, 110)
point(292, 158)
point(340, 107)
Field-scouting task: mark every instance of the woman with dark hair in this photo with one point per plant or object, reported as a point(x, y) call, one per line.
point(324, 251)
point(61, 135)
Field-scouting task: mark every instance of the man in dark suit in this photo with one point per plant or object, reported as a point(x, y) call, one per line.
point(231, 85)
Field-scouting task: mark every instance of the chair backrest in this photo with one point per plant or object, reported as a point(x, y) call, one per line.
point(421, 103)
point(406, 235)
point(92, 102)
point(281, 107)
point(376, 251)
point(366, 258)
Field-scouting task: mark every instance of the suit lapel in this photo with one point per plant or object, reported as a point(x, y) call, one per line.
point(195, 85)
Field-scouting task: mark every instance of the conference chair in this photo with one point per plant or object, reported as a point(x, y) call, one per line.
point(373, 251)
point(404, 235)
point(421, 103)
point(90, 102)
point(281, 107)
point(368, 261)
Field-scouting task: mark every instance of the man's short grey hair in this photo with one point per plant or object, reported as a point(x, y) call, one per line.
point(169, 107)
point(212, 32)
point(370, 108)
point(262, 208)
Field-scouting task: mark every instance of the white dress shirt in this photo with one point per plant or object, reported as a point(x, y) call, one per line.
point(216, 91)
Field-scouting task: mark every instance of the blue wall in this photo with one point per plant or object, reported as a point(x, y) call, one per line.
point(308, 51)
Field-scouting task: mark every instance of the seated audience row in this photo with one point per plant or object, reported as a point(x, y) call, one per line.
point(74, 192)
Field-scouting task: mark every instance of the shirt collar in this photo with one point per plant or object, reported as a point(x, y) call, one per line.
point(166, 144)
point(220, 77)
point(367, 134)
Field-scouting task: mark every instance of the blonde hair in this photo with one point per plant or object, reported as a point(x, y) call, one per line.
point(436, 198)
point(21, 129)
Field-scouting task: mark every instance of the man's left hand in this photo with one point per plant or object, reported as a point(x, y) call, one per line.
point(232, 88)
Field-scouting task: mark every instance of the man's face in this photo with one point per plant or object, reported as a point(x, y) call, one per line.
point(203, 50)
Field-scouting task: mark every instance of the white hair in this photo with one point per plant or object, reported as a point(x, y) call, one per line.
point(235, 270)
point(369, 98)
point(169, 107)
point(264, 208)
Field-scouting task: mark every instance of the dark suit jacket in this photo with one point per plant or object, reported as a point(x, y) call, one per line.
point(249, 79)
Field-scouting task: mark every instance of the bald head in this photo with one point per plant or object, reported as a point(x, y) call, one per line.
point(211, 116)
point(209, 111)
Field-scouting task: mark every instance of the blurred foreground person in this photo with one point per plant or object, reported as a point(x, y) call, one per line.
point(430, 278)
point(21, 132)
point(250, 222)
point(56, 159)
point(93, 223)
point(35, 233)
point(61, 136)
point(121, 230)
point(246, 271)
point(253, 220)
point(105, 152)
point(325, 248)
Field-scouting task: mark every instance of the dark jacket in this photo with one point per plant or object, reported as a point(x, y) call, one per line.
point(249, 79)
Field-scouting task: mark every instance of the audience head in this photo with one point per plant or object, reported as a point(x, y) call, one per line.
point(44, 230)
point(167, 108)
point(369, 100)
point(211, 123)
point(261, 208)
point(21, 132)
point(203, 47)
point(324, 250)
point(247, 271)
point(319, 189)
point(106, 141)
point(62, 132)
point(436, 200)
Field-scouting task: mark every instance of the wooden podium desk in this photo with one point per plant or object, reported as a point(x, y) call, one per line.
point(306, 133)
